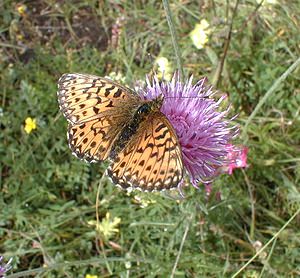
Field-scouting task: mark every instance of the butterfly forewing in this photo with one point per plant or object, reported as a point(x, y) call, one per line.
point(85, 97)
point(97, 109)
point(152, 159)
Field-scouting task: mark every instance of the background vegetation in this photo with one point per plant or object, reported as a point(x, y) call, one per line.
point(47, 199)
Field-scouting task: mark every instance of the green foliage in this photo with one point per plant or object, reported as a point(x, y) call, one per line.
point(47, 196)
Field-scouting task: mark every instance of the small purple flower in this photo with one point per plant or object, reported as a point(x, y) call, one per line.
point(201, 126)
point(4, 267)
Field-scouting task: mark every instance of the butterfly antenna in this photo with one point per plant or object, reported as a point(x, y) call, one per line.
point(195, 97)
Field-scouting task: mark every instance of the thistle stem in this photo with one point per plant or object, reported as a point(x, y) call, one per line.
point(173, 36)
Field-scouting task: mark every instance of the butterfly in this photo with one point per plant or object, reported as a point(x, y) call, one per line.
point(108, 121)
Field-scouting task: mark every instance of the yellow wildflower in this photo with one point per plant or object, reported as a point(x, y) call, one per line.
point(266, 2)
point(116, 76)
point(251, 274)
point(200, 34)
point(19, 37)
point(107, 227)
point(91, 276)
point(164, 68)
point(21, 9)
point(30, 124)
point(143, 201)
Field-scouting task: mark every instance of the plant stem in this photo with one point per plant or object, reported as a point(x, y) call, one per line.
point(181, 245)
point(267, 244)
point(226, 46)
point(173, 36)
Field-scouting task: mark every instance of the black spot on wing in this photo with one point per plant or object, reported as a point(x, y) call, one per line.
point(160, 127)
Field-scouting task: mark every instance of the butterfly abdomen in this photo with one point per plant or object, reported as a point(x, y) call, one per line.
point(140, 115)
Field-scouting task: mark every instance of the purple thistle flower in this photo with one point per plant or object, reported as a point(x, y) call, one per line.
point(4, 267)
point(202, 129)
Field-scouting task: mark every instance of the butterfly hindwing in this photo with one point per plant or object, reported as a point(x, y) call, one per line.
point(92, 140)
point(152, 160)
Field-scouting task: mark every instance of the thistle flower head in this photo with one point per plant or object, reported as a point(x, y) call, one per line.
point(202, 128)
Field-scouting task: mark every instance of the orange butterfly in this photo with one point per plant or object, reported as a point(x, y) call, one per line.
point(110, 121)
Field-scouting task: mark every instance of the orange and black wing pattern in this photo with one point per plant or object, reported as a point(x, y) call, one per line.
point(152, 160)
point(96, 109)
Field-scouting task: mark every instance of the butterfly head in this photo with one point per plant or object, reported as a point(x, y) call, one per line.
point(153, 105)
point(157, 103)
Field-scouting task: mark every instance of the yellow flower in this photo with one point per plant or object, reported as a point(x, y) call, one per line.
point(30, 124)
point(21, 9)
point(251, 274)
point(19, 37)
point(143, 201)
point(107, 227)
point(163, 63)
point(266, 2)
point(164, 68)
point(116, 76)
point(91, 276)
point(200, 34)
